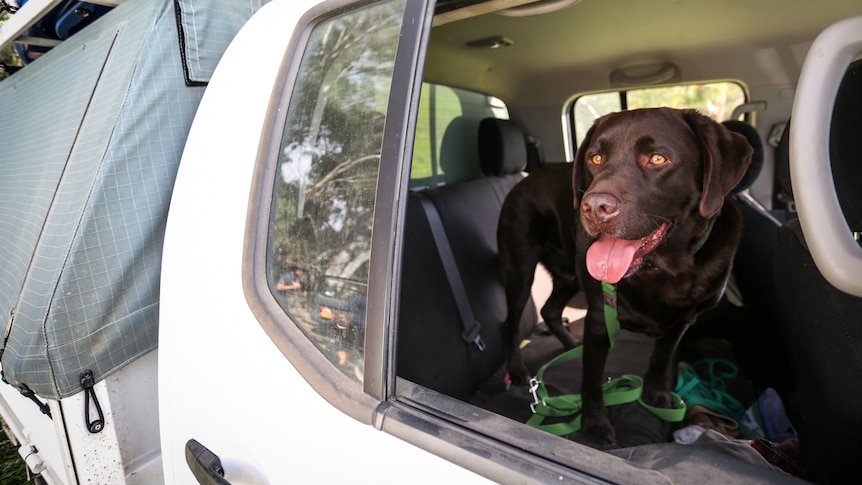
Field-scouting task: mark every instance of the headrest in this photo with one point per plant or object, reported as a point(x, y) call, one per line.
point(502, 147)
point(845, 145)
point(458, 151)
point(782, 166)
point(750, 133)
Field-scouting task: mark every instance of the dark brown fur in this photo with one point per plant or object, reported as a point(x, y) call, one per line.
point(556, 213)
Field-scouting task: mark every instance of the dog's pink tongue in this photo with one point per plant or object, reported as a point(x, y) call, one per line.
point(609, 258)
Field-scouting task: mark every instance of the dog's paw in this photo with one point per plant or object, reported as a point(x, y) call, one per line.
point(519, 374)
point(658, 399)
point(599, 430)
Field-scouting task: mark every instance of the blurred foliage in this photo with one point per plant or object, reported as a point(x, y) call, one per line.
point(7, 53)
point(12, 468)
point(716, 100)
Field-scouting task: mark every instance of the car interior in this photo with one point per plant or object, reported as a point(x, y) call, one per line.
point(501, 81)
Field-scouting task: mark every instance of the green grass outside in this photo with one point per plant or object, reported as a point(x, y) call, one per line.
point(12, 468)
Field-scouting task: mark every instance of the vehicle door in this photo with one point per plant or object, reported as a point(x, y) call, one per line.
point(292, 171)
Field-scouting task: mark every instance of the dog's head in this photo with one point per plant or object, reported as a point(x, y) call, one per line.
point(642, 176)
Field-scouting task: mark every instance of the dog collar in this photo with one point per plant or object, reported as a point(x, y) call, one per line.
point(705, 236)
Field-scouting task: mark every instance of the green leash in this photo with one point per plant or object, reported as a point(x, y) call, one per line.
point(621, 390)
point(609, 293)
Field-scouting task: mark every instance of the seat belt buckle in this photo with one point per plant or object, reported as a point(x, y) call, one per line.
point(480, 344)
point(472, 335)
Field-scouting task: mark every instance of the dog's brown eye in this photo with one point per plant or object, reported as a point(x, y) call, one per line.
point(657, 159)
point(597, 159)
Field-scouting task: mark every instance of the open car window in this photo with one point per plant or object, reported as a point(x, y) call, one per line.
point(445, 149)
point(716, 100)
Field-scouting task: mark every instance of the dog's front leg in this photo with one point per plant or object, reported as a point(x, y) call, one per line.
point(517, 284)
point(552, 311)
point(659, 378)
point(595, 422)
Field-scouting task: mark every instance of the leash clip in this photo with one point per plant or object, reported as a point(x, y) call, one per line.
point(534, 387)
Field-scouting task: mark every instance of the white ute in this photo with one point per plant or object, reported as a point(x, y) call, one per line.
point(207, 234)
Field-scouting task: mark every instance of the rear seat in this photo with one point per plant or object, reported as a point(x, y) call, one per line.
point(431, 351)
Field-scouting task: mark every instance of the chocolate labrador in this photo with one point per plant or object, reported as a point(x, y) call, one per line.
point(643, 207)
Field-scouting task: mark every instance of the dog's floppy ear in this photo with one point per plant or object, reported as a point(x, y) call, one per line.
point(579, 185)
point(726, 157)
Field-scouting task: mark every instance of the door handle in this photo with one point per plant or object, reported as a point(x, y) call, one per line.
point(204, 464)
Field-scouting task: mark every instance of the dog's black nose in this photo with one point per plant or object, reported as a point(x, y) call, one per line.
point(600, 207)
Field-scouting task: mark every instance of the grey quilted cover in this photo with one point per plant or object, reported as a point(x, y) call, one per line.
point(94, 131)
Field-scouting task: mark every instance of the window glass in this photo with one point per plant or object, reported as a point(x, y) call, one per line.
point(716, 100)
point(319, 242)
point(446, 130)
point(590, 107)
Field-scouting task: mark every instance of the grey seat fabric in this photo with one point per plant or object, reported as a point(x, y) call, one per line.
point(431, 351)
point(822, 326)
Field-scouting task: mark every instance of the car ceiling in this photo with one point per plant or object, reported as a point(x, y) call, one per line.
point(556, 55)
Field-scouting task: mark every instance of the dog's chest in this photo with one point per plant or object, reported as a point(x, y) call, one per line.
point(652, 301)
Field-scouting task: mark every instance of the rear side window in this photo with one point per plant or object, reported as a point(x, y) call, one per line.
point(445, 148)
point(716, 100)
point(324, 192)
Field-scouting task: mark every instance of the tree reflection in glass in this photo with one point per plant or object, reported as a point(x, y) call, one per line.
point(324, 193)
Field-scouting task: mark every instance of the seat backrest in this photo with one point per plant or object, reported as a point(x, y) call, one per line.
point(756, 252)
point(753, 331)
point(823, 325)
point(431, 351)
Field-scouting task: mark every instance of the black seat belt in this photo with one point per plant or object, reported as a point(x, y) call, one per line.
point(472, 327)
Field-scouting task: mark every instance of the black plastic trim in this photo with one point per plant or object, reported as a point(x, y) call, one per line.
point(204, 464)
point(392, 185)
point(498, 448)
point(444, 6)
